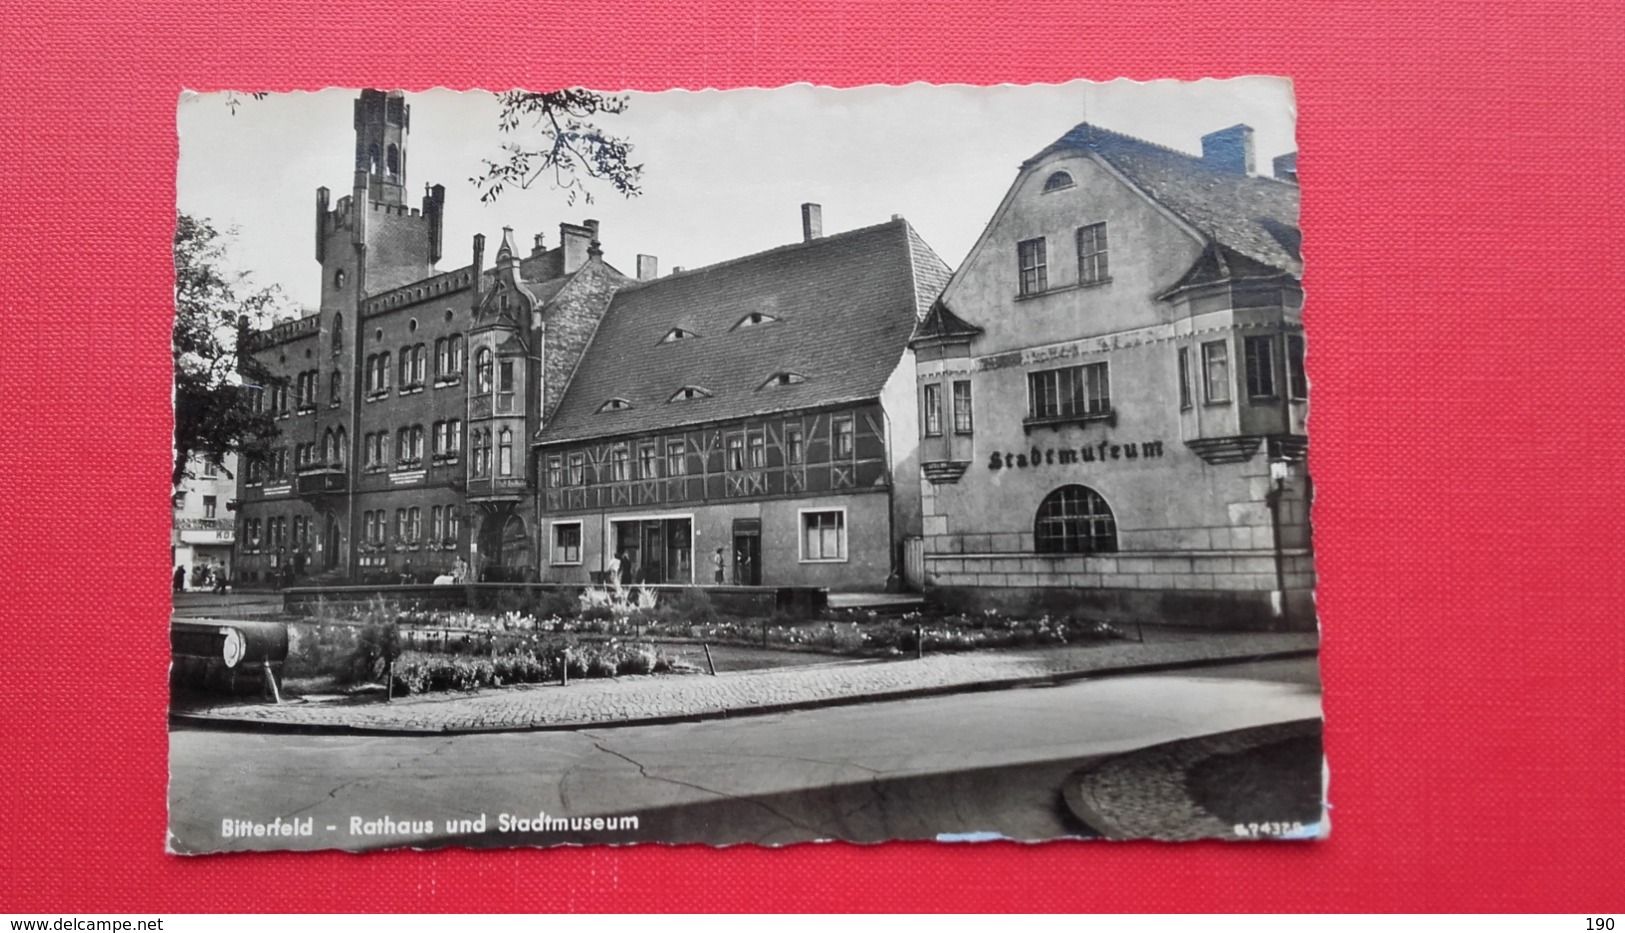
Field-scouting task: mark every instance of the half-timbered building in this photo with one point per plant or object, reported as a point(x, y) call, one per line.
point(751, 422)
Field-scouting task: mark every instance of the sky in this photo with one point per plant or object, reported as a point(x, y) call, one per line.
point(725, 172)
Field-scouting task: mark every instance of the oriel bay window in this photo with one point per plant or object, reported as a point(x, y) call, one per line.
point(1259, 354)
point(505, 385)
point(962, 407)
point(483, 362)
point(1297, 379)
point(1183, 360)
point(1075, 392)
point(505, 452)
point(1216, 371)
point(931, 395)
point(823, 535)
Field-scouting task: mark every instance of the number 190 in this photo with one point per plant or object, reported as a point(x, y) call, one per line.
point(1599, 923)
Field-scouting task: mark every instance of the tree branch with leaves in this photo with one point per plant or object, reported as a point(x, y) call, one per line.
point(559, 141)
point(216, 377)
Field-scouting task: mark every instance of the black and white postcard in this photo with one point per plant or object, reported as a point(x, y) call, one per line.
point(758, 466)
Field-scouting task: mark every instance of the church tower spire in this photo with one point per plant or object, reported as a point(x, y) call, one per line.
point(382, 121)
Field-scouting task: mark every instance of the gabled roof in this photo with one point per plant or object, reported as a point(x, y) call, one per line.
point(844, 307)
point(940, 323)
point(1257, 217)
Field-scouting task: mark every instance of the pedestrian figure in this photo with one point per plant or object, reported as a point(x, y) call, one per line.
point(406, 572)
point(459, 571)
point(180, 579)
point(721, 561)
point(612, 573)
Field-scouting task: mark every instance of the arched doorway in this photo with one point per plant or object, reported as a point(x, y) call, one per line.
point(505, 548)
point(330, 542)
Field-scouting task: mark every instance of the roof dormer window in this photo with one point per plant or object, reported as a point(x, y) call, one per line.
point(676, 334)
point(783, 379)
point(753, 319)
point(614, 404)
point(1058, 181)
point(689, 394)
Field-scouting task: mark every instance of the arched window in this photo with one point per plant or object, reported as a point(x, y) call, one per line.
point(1058, 181)
point(505, 452)
point(393, 160)
point(373, 158)
point(1074, 520)
point(338, 328)
point(341, 441)
point(338, 278)
point(482, 369)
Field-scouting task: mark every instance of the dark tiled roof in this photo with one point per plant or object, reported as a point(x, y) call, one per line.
point(1222, 264)
point(843, 307)
point(942, 324)
point(1257, 217)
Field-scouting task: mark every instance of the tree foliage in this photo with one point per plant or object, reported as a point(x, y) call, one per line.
point(555, 136)
point(215, 378)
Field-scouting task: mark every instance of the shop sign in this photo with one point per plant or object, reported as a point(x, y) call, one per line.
point(407, 478)
point(278, 490)
point(1071, 456)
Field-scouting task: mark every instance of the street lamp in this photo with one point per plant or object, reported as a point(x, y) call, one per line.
point(1280, 472)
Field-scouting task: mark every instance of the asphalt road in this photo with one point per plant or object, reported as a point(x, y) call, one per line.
point(983, 763)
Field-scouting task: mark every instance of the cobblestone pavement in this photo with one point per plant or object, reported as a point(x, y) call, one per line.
point(1141, 795)
point(629, 700)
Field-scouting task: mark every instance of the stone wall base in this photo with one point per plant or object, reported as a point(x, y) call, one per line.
point(1227, 610)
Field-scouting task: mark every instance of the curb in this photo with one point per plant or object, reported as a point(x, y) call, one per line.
point(223, 723)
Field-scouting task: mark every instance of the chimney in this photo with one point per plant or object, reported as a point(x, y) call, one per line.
point(479, 266)
point(540, 245)
point(574, 240)
point(1230, 150)
point(594, 248)
point(648, 268)
point(812, 222)
point(676, 269)
point(1286, 167)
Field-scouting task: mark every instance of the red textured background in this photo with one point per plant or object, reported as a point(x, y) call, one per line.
point(1462, 169)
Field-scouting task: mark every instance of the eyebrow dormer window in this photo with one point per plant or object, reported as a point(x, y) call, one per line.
point(676, 334)
point(1058, 181)
point(614, 404)
point(689, 394)
point(783, 379)
point(753, 319)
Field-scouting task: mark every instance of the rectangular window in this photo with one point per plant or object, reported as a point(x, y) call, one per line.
point(567, 543)
point(793, 450)
point(676, 459)
point(823, 536)
point(618, 460)
point(436, 526)
point(962, 410)
point(454, 523)
point(1092, 254)
point(648, 462)
point(578, 470)
point(1296, 377)
point(1260, 356)
point(1184, 363)
point(736, 453)
point(1216, 371)
point(758, 450)
point(840, 430)
point(932, 400)
point(1034, 269)
point(1073, 392)
point(208, 506)
point(555, 472)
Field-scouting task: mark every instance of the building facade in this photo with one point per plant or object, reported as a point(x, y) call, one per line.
point(203, 532)
point(747, 423)
point(1112, 392)
point(405, 402)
